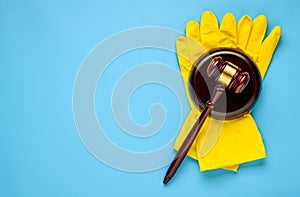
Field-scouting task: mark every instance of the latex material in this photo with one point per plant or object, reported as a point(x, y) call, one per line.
point(225, 144)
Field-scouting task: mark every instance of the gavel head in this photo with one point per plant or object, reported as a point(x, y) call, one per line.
point(228, 74)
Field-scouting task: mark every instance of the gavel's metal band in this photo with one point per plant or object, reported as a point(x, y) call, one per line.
point(227, 74)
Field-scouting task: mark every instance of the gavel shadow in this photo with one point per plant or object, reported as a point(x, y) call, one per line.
point(210, 174)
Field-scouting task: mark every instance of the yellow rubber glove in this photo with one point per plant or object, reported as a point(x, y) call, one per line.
point(224, 144)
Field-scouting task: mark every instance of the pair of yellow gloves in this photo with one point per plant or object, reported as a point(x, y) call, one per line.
point(224, 144)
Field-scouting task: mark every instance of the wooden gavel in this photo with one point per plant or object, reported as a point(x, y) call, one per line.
point(227, 76)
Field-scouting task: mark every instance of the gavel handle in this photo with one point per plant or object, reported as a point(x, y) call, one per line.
point(186, 145)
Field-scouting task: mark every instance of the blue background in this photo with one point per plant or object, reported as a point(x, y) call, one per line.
point(42, 45)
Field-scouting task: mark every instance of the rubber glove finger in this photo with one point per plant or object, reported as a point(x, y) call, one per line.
point(192, 30)
point(257, 35)
point(244, 28)
point(186, 66)
point(209, 30)
point(183, 55)
point(267, 49)
point(195, 48)
point(227, 37)
point(193, 41)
